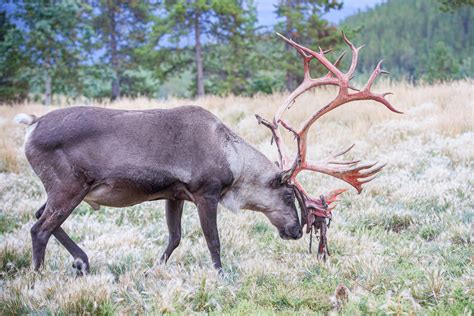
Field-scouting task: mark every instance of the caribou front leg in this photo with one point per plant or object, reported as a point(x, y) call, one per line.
point(207, 209)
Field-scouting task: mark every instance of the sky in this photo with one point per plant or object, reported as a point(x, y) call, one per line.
point(266, 11)
point(266, 8)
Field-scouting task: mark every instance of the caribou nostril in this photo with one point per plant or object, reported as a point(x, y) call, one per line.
point(300, 234)
point(294, 232)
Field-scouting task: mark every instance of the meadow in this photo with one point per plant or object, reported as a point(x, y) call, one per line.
point(403, 246)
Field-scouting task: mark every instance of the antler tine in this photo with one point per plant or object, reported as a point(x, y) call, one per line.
point(375, 73)
point(289, 128)
point(367, 94)
point(306, 52)
point(376, 169)
point(344, 151)
point(327, 51)
point(337, 62)
point(363, 167)
point(351, 175)
point(339, 59)
point(282, 151)
point(292, 43)
point(355, 55)
point(322, 59)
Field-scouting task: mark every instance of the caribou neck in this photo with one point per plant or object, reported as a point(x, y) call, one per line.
point(252, 178)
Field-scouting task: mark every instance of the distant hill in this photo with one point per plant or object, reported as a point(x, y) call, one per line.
point(416, 39)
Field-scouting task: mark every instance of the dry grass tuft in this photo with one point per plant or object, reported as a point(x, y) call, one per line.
point(8, 150)
point(404, 246)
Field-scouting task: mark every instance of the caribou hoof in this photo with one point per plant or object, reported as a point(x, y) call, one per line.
point(149, 272)
point(224, 276)
point(81, 268)
point(322, 256)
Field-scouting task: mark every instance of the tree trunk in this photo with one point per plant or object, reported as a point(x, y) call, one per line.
point(199, 62)
point(290, 77)
point(115, 87)
point(114, 56)
point(466, 18)
point(47, 85)
point(47, 90)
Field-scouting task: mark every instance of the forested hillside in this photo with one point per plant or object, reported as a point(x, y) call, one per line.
point(417, 38)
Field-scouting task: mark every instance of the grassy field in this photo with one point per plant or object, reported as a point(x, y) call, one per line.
point(403, 246)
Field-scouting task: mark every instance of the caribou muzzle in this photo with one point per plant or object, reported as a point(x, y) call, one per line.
point(291, 232)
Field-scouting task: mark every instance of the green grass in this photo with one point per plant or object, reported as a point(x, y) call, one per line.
point(13, 260)
point(7, 224)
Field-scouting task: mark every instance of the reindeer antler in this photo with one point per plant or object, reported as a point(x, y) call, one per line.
point(315, 210)
point(352, 172)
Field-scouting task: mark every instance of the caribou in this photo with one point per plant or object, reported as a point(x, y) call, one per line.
point(119, 158)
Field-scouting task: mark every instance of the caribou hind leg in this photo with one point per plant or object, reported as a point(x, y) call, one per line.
point(58, 207)
point(174, 212)
point(81, 261)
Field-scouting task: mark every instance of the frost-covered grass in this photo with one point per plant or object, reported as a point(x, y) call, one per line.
point(405, 245)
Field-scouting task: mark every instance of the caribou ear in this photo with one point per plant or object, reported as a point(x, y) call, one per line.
point(280, 179)
point(285, 175)
point(275, 182)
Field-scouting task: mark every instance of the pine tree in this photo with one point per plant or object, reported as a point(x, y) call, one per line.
point(219, 20)
point(453, 5)
point(54, 35)
point(440, 65)
point(234, 60)
point(13, 63)
point(121, 26)
point(303, 22)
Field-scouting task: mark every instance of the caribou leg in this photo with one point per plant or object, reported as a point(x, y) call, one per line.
point(207, 209)
point(59, 206)
point(174, 212)
point(81, 261)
